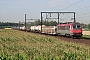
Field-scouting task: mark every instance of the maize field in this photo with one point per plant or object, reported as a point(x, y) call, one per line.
point(18, 45)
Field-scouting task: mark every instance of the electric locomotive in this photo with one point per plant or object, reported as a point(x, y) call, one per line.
point(72, 29)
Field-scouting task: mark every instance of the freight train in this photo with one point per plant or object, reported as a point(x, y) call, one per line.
point(71, 29)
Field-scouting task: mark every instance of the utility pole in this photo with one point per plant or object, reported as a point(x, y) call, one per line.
point(74, 18)
point(25, 21)
point(19, 25)
point(58, 18)
point(41, 22)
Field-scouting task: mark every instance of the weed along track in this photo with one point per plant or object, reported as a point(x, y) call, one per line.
point(19, 45)
point(78, 41)
point(75, 40)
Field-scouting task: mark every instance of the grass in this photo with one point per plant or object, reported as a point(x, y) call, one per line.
point(86, 36)
point(18, 45)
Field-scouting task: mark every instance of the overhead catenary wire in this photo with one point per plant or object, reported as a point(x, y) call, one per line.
point(83, 14)
point(83, 8)
point(72, 4)
point(80, 16)
point(77, 3)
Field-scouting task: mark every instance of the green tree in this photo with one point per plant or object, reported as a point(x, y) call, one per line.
point(7, 24)
point(89, 26)
point(52, 23)
point(37, 22)
point(84, 25)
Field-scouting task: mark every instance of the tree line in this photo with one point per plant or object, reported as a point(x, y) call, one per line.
point(86, 26)
point(37, 22)
point(54, 23)
point(7, 24)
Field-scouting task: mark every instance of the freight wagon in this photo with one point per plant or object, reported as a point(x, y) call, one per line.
point(49, 30)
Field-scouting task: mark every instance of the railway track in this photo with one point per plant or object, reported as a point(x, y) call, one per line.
point(81, 41)
point(75, 40)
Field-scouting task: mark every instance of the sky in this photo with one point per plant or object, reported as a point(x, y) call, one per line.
point(14, 10)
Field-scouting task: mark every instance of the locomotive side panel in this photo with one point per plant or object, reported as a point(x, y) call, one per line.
point(64, 30)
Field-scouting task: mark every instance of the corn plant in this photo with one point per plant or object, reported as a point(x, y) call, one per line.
point(18, 45)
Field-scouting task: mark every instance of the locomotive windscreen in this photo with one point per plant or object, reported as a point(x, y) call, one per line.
point(76, 26)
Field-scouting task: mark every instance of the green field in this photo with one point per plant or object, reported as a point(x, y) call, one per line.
point(18, 45)
point(86, 36)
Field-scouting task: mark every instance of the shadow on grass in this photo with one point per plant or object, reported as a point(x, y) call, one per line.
point(88, 38)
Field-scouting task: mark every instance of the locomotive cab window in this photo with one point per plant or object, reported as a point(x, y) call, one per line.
point(76, 26)
point(68, 28)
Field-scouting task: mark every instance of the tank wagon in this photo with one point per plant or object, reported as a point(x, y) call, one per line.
point(22, 28)
point(36, 29)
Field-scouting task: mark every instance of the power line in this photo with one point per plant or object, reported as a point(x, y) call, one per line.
point(73, 4)
point(83, 8)
point(80, 16)
point(83, 16)
point(86, 7)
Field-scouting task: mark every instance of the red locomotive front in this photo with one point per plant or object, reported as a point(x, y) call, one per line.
point(76, 29)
